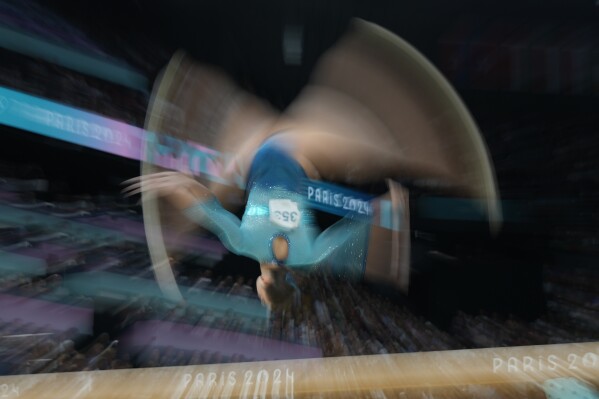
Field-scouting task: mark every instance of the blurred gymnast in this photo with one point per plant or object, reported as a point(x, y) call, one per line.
point(278, 228)
point(375, 110)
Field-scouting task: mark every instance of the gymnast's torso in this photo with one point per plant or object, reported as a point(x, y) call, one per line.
point(276, 207)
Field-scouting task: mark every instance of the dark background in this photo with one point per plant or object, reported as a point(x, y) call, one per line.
point(245, 38)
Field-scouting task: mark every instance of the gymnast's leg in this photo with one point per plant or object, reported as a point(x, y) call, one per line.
point(352, 160)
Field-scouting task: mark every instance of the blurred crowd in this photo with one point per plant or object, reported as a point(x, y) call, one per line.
point(336, 316)
point(30, 349)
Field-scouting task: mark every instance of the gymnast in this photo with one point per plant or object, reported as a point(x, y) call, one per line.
point(278, 228)
point(401, 122)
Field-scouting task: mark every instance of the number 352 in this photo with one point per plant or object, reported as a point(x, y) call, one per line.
point(286, 216)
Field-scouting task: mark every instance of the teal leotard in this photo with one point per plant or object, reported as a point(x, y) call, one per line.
point(276, 207)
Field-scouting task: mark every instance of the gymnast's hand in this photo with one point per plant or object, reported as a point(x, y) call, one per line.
point(273, 289)
point(272, 286)
point(181, 190)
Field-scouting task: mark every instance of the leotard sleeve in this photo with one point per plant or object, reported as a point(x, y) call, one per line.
point(342, 247)
point(226, 226)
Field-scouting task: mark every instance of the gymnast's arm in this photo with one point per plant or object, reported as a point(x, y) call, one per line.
point(195, 201)
point(226, 226)
point(341, 248)
point(364, 248)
